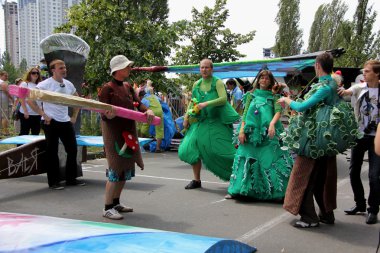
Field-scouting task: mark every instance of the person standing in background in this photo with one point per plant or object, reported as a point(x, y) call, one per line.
point(5, 100)
point(30, 120)
point(366, 103)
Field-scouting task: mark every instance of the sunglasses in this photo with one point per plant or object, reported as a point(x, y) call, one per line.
point(62, 85)
point(34, 73)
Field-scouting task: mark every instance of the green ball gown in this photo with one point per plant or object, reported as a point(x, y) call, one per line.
point(261, 167)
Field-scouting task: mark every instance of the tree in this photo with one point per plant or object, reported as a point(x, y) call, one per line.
point(329, 29)
point(23, 67)
point(208, 37)
point(137, 29)
point(205, 36)
point(364, 44)
point(289, 35)
point(7, 65)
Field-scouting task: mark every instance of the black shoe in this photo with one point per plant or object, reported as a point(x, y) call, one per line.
point(327, 218)
point(57, 186)
point(355, 209)
point(371, 218)
point(76, 182)
point(193, 185)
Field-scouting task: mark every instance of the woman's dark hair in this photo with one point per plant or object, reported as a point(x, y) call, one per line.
point(231, 82)
point(265, 73)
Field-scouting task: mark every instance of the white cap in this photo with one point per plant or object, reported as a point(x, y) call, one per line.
point(119, 62)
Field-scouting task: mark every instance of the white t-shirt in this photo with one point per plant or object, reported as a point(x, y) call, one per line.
point(28, 108)
point(368, 109)
point(57, 112)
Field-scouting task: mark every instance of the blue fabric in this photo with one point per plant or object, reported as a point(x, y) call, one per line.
point(169, 129)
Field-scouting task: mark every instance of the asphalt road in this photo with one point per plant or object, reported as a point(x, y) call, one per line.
point(160, 201)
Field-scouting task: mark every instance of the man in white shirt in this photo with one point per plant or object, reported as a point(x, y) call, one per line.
point(365, 100)
point(58, 125)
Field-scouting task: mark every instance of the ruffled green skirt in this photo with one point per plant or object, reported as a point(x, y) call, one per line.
point(211, 142)
point(261, 172)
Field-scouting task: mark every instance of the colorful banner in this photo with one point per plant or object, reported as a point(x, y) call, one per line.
point(42, 234)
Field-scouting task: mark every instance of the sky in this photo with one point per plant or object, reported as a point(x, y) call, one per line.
point(248, 15)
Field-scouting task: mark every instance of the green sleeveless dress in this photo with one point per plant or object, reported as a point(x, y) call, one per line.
point(261, 167)
point(326, 129)
point(209, 137)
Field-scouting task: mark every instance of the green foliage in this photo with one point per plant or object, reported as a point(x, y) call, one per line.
point(23, 68)
point(7, 65)
point(205, 36)
point(364, 43)
point(329, 29)
point(289, 35)
point(208, 37)
point(136, 29)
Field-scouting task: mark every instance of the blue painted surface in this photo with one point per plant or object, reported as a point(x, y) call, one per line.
point(43, 234)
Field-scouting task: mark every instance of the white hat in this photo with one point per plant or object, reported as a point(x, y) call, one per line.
point(119, 62)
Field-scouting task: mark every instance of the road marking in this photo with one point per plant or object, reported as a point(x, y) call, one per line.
point(263, 228)
point(156, 177)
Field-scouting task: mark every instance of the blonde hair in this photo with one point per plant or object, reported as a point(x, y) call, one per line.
point(149, 88)
point(56, 62)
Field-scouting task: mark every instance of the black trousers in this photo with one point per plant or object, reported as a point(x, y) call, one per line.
point(357, 155)
point(32, 124)
point(54, 132)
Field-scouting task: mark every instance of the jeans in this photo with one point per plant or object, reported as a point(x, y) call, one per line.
point(357, 155)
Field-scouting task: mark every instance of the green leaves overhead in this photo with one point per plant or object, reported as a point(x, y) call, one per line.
point(289, 35)
point(137, 29)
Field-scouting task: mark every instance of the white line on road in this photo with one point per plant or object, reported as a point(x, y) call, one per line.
point(156, 177)
point(259, 230)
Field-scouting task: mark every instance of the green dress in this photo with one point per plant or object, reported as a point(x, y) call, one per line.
point(209, 137)
point(261, 167)
point(327, 125)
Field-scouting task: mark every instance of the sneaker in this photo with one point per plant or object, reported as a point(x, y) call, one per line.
point(229, 196)
point(123, 209)
point(112, 214)
point(193, 185)
point(56, 187)
point(76, 182)
point(302, 224)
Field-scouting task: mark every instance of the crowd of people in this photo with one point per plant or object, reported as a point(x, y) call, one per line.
point(257, 158)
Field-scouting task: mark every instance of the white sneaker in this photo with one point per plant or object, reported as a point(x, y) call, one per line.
point(112, 214)
point(123, 209)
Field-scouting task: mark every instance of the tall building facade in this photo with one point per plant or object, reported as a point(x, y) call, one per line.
point(11, 31)
point(29, 31)
point(38, 18)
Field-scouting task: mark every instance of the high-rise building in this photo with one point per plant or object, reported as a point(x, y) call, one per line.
point(29, 32)
point(11, 31)
point(38, 18)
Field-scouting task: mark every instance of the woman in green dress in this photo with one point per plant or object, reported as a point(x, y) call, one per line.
point(208, 121)
point(261, 168)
